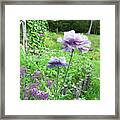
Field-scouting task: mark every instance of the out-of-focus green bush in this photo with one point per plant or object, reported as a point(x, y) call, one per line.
point(80, 26)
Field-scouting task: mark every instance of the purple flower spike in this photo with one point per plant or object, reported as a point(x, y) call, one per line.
point(23, 72)
point(26, 98)
point(43, 95)
point(26, 94)
point(46, 96)
point(54, 61)
point(34, 92)
point(34, 85)
point(49, 83)
point(36, 74)
point(41, 34)
point(72, 40)
point(39, 95)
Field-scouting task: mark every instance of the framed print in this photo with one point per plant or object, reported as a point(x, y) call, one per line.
point(60, 59)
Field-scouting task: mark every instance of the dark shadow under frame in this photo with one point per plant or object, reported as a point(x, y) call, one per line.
point(79, 2)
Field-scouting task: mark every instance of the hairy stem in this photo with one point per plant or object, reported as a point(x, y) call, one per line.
point(57, 83)
point(68, 65)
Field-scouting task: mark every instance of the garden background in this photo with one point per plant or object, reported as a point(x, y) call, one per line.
point(38, 43)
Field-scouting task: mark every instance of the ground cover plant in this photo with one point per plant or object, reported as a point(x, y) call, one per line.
point(58, 65)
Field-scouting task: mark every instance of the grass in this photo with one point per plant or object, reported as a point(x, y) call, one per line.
point(82, 64)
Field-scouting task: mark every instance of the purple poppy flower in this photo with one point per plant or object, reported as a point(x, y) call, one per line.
point(54, 61)
point(23, 71)
point(72, 40)
point(41, 34)
point(36, 74)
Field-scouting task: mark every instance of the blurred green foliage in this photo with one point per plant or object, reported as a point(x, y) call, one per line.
point(80, 26)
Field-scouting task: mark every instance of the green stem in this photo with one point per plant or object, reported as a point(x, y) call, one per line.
point(68, 65)
point(57, 83)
